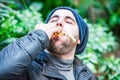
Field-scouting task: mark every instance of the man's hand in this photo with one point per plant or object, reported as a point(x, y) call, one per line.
point(48, 28)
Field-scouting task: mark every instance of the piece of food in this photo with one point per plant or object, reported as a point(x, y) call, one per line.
point(74, 40)
point(56, 34)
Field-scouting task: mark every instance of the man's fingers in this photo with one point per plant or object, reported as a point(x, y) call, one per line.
point(48, 28)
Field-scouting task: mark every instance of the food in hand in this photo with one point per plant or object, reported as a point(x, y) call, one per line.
point(57, 34)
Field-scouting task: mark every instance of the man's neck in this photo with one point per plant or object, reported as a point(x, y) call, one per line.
point(63, 56)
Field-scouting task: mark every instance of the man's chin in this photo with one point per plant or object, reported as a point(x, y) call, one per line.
point(59, 47)
point(55, 47)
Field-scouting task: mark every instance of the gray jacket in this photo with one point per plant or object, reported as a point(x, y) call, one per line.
point(25, 60)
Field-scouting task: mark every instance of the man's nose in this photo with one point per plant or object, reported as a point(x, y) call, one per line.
point(59, 24)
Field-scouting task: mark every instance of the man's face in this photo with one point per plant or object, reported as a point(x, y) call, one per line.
point(65, 21)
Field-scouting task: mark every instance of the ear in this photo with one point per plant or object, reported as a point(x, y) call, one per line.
point(78, 42)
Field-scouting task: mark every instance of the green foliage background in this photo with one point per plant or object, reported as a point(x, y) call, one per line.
point(18, 17)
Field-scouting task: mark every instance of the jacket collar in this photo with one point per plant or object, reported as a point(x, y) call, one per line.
point(50, 70)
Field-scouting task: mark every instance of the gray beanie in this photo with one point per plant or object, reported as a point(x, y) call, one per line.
point(82, 26)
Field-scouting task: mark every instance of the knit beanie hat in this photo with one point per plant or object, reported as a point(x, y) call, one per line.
point(82, 26)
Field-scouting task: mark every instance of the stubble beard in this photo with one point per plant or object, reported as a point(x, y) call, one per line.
point(61, 49)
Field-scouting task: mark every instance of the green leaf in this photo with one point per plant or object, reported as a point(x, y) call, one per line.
point(113, 19)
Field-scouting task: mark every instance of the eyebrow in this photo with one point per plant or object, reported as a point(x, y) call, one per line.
point(68, 17)
point(54, 16)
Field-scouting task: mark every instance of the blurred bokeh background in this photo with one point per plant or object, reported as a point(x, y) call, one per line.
point(102, 55)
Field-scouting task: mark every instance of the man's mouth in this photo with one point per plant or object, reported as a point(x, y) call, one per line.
point(56, 35)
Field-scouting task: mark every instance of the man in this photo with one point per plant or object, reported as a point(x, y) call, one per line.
point(48, 53)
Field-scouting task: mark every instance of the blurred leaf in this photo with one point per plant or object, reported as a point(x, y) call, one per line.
point(37, 5)
point(17, 24)
point(113, 19)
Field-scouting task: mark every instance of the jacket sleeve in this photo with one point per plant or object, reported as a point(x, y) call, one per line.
point(18, 55)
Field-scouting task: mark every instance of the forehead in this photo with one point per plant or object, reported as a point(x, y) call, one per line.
point(63, 12)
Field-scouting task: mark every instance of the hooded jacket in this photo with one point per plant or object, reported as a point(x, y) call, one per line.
point(22, 60)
